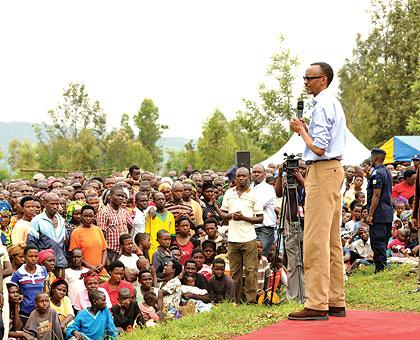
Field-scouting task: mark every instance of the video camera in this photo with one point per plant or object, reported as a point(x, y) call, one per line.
point(291, 163)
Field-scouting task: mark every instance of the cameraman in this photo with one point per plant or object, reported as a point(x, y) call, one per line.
point(293, 241)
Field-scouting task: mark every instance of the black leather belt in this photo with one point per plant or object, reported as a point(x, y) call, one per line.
point(323, 160)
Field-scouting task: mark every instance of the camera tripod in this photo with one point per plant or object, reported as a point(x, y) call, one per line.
point(290, 200)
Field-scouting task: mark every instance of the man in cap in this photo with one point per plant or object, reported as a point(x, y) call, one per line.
point(380, 209)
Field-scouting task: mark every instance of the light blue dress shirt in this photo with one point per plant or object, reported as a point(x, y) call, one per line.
point(327, 127)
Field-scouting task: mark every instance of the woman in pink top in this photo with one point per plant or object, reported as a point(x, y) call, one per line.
point(91, 281)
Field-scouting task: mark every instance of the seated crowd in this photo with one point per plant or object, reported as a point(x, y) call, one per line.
point(90, 258)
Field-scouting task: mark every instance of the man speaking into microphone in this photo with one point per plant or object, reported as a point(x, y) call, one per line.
point(322, 252)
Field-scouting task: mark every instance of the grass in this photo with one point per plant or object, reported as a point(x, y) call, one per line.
point(364, 291)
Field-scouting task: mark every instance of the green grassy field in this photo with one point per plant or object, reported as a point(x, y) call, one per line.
point(364, 291)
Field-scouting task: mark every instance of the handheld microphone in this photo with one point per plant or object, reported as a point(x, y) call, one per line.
point(300, 109)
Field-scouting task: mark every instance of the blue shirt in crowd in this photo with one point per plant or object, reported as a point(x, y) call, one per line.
point(29, 285)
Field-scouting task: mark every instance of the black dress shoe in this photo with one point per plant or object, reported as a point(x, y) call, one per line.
point(339, 312)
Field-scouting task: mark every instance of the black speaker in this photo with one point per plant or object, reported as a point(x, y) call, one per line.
point(243, 159)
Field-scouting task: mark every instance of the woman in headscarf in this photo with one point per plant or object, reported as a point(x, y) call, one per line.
point(46, 258)
point(91, 281)
point(17, 258)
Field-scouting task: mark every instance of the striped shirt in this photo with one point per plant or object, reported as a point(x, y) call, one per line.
point(29, 285)
point(114, 223)
point(181, 209)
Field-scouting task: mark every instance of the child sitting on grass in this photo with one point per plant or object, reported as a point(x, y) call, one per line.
point(126, 312)
point(149, 309)
point(220, 286)
point(192, 293)
point(399, 245)
point(43, 323)
point(94, 322)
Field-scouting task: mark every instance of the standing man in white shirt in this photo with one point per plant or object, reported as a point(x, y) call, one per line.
point(139, 220)
point(241, 208)
point(266, 197)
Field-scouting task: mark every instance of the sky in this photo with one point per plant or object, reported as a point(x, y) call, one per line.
point(190, 56)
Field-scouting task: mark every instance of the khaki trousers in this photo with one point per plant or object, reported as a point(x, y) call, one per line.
point(243, 262)
point(322, 254)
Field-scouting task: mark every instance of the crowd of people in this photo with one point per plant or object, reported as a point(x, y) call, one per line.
point(86, 258)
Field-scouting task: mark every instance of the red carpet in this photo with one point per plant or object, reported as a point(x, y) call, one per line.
point(357, 325)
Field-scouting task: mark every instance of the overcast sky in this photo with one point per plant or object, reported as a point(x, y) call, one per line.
point(190, 57)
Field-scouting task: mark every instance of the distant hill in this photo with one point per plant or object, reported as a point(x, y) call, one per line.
point(24, 130)
point(18, 130)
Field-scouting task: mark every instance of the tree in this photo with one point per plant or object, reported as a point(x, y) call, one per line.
point(74, 114)
point(123, 151)
point(264, 121)
point(216, 147)
point(150, 130)
point(377, 85)
point(22, 154)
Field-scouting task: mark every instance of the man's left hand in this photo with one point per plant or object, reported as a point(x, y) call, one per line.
point(370, 219)
point(296, 125)
point(237, 216)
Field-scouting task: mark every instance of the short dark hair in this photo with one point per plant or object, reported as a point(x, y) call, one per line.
point(115, 264)
point(197, 251)
point(190, 261)
point(357, 205)
point(409, 173)
point(25, 199)
point(177, 266)
point(78, 192)
point(132, 168)
point(124, 237)
point(326, 70)
point(161, 232)
point(140, 237)
point(210, 220)
point(86, 207)
point(219, 261)
point(209, 244)
point(184, 218)
point(94, 295)
point(141, 272)
point(27, 248)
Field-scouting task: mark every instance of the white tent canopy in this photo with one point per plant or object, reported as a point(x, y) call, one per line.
point(354, 152)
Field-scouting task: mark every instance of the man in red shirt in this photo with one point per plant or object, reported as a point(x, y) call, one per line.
point(406, 187)
point(116, 282)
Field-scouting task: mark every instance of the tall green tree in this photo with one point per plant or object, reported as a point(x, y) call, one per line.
point(22, 154)
point(150, 131)
point(123, 151)
point(377, 85)
point(74, 113)
point(216, 147)
point(264, 120)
